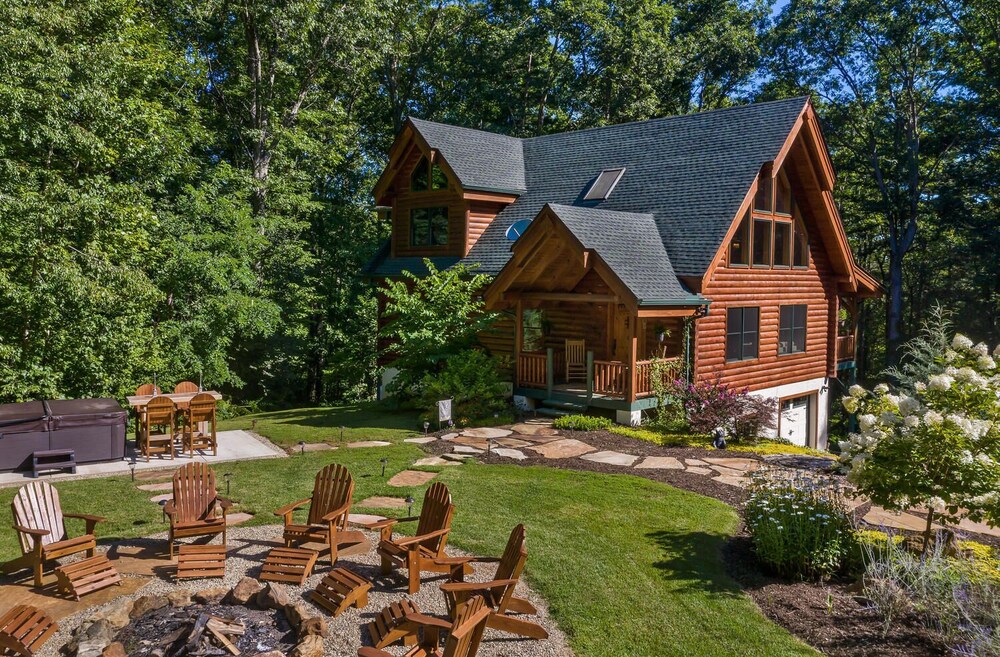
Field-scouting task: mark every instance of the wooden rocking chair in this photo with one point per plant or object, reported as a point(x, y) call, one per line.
point(159, 412)
point(41, 529)
point(576, 360)
point(200, 409)
point(465, 633)
point(424, 551)
point(498, 593)
point(193, 510)
point(329, 508)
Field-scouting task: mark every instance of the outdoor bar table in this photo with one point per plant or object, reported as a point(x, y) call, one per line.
point(181, 399)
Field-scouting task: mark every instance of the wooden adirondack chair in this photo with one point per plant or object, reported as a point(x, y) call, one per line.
point(159, 412)
point(424, 551)
point(498, 593)
point(41, 529)
point(193, 511)
point(465, 633)
point(576, 360)
point(329, 507)
point(185, 386)
point(24, 629)
point(200, 409)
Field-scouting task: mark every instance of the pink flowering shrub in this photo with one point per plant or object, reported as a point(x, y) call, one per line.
point(711, 405)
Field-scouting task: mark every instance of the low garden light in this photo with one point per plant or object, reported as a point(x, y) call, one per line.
point(427, 426)
point(384, 461)
point(163, 510)
point(341, 433)
point(253, 425)
point(227, 476)
point(409, 505)
point(131, 466)
point(302, 447)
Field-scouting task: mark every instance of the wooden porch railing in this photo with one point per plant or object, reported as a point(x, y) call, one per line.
point(531, 370)
point(846, 347)
point(610, 378)
point(644, 375)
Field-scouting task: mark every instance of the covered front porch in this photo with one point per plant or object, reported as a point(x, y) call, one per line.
point(593, 319)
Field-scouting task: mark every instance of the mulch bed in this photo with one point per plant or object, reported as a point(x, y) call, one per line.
point(827, 616)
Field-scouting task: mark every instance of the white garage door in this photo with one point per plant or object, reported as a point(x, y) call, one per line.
point(795, 420)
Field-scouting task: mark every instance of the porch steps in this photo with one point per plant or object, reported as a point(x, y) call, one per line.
point(559, 407)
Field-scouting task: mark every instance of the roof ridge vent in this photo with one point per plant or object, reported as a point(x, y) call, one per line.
point(604, 184)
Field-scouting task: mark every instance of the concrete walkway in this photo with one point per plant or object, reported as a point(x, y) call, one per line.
point(233, 446)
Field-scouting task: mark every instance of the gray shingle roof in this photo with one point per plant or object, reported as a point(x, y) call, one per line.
point(382, 266)
point(481, 160)
point(630, 244)
point(689, 172)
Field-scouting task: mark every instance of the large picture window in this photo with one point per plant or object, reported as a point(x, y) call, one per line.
point(800, 255)
point(429, 226)
point(427, 176)
point(742, 331)
point(739, 248)
point(762, 242)
point(782, 243)
point(792, 330)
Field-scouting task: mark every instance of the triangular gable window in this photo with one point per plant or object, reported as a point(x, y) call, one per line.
point(604, 185)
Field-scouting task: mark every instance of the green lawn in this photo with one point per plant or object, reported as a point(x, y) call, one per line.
point(630, 567)
point(362, 421)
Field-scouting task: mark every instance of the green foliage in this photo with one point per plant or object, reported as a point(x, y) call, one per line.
point(582, 423)
point(800, 527)
point(473, 380)
point(935, 444)
point(435, 318)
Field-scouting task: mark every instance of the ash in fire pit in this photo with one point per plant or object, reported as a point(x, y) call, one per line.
point(203, 630)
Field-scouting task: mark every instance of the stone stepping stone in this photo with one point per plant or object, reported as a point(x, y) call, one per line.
point(734, 463)
point(449, 436)
point(364, 518)
point(611, 458)
point(978, 527)
point(408, 478)
point(729, 480)
point(879, 517)
point(317, 447)
point(486, 432)
point(538, 440)
point(369, 443)
point(508, 453)
point(237, 518)
point(531, 429)
point(431, 460)
point(511, 442)
point(480, 443)
point(166, 497)
point(727, 472)
point(420, 441)
point(696, 462)
point(382, 502)
point(564, 448)
point(152, 488)
point(700, 471)
point(457, 458)
point(660, 463)
point(466, 449)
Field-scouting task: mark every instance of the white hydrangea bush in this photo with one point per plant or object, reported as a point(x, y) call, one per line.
point(936, 445)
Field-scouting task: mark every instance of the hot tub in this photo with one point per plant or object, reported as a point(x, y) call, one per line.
point(93, 428)
point(24, 428)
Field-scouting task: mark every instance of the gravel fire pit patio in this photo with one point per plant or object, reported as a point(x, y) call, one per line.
point(279, 619)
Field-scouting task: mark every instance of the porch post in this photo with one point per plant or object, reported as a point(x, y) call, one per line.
point(518, 328)
point(590, 377)
point(549, 372)
point(632, 357)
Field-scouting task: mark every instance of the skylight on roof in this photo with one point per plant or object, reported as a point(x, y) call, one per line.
point(604, 185)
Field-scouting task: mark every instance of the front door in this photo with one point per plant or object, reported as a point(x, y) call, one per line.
point(794, 423)
point(622, 336)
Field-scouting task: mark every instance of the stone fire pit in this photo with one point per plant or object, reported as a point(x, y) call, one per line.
point(279, 621)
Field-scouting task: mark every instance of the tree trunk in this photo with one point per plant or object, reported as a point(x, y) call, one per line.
point(894, 309)
point(928, 531)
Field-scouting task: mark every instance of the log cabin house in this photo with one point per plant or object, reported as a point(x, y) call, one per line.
point(710, 239)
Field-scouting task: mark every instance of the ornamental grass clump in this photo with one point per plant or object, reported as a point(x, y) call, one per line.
point(800, 526)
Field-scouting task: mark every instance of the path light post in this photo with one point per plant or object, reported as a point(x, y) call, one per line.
point(409, 505)
point(163, 510)
point(427, 426)
point(384, 461)
point(227, 476)
point(341, 433)
point(131, 466)
point(302, 448)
